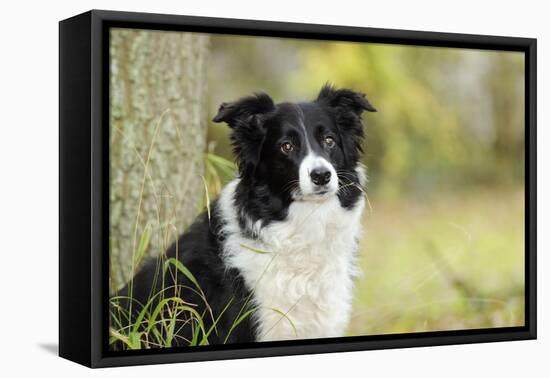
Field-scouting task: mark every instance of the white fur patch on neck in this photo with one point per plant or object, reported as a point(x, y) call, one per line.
point(299, 270)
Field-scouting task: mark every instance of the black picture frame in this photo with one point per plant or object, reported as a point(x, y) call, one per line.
point(83, 181)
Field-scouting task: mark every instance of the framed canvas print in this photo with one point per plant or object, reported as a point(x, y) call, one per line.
point(234, 188)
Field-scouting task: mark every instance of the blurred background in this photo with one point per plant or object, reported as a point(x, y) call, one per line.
point(443, 246)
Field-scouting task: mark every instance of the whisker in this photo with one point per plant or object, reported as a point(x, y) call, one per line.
point(290, 185)
point(353, 182)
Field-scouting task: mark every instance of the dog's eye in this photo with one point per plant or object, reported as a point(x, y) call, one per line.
point(329, 141)
point(287, 147)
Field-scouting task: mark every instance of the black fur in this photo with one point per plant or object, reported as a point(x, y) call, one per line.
point(259, 127)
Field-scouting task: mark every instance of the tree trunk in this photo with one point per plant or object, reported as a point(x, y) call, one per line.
point(157, 140)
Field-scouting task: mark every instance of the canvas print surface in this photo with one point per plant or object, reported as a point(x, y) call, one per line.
point(266, 189)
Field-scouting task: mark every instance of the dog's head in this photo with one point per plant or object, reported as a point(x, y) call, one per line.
point(306, 150)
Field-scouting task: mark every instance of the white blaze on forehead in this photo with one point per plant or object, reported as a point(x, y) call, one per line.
point(311, 162)
point(301, 118)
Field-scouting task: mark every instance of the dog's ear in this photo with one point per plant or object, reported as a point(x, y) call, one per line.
point(247, 118)
point(242, 111)
point(347, 106)
point(345, 99)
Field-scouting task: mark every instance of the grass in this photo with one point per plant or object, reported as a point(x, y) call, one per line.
point(450, 262)
point(455, 261)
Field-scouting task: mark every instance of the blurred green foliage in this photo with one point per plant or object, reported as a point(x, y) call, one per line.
point(448, 119)
point(453, 262)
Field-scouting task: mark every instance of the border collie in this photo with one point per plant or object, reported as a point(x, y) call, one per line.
point(280, 242)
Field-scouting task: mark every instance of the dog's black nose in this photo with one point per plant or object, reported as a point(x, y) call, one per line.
point(320, 176)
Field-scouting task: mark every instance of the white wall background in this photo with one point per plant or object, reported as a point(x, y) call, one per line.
point(29, 189)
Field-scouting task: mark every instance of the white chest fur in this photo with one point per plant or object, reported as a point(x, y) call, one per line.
point(300, 270)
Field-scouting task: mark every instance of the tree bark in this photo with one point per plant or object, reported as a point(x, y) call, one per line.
point(157, 140)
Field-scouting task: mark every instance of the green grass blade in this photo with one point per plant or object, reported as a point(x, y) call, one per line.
point(256, 250)
point(207, 197)
point(182, 268)
point(237, 322)
point(170, 332)
point(182, 306)
point(287, 318)
point(144, 311)
point(143, 244)
point(204, 340)
point(133, 340)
